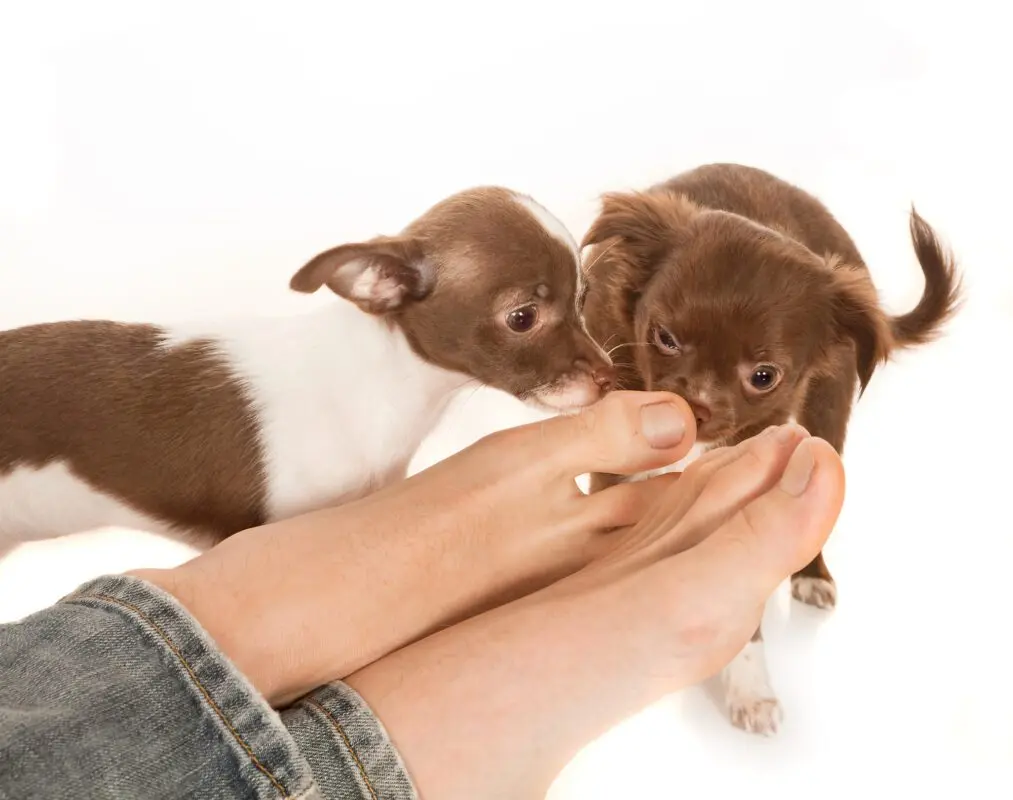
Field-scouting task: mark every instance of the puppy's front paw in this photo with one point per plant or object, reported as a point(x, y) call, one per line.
point(760, 715)
point(749, 698)
point(818, 592)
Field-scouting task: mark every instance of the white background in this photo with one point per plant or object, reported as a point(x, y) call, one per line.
point(167, 160)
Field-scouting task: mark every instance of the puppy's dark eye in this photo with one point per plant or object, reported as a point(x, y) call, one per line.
point(522, 319)
point(765, 377)
point(666, 342)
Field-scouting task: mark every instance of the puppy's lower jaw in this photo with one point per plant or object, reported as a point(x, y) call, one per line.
point(749, 698)
point(818, 592)
point(568, 397)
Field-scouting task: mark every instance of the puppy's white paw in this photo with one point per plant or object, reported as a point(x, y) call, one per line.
point(760, 715)
point(818, 592)
point(749, 698)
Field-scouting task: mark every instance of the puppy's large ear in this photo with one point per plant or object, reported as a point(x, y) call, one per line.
point(379, 276)
point(648, 223)
point(858, 317)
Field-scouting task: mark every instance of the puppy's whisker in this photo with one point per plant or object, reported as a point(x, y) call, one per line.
point(625, 344)
point(476, 385)
point(599, 257)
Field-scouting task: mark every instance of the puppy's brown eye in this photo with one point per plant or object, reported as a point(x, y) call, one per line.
point(666, 342)
point(522, 319)
point(765, 377)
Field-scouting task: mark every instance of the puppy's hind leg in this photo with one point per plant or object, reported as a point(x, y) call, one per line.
point(814, 585)
point(824, 414)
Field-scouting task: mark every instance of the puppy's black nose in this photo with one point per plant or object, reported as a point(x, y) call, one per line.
point(701, 412)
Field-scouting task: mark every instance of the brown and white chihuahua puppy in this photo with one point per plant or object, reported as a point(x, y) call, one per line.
point(199, 431)
point(743, 294)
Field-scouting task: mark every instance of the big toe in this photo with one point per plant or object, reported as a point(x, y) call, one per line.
point(781, 530)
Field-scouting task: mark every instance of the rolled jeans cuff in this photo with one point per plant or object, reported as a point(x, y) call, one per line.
point(327, 745)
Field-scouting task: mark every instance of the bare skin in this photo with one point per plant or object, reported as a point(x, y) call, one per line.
point(298, 603)
point(516, 692)
point(495, 705)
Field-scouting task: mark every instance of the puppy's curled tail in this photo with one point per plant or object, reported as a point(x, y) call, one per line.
point(942, 296)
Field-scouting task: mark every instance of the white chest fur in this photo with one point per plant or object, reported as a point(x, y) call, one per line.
point(341, 399)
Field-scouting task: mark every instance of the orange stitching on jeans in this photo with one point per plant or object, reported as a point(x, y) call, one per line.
point(348, 744)
point(203, 691)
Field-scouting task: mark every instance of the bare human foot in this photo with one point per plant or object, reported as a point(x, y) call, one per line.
point(750, 700)
point(494, 707)
point(496, 521)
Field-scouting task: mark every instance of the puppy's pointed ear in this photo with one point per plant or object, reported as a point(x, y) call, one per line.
point(379, 276)
point(856, 312)
point(647, 223)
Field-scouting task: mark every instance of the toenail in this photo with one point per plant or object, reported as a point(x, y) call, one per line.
point(799, 470)
point(662, 425)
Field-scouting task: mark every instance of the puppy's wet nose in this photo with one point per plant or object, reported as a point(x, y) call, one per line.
point(701, 412)
point(603, 375)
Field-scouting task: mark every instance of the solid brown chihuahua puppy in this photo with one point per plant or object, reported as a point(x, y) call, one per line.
point(199, 431)
point(743, 294)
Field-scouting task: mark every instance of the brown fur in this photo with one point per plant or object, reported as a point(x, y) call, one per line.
point(170, 431)
point(475, 249)
point(744, 269)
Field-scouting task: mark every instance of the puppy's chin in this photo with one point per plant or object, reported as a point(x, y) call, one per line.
point(714, 435)
point(566, 397)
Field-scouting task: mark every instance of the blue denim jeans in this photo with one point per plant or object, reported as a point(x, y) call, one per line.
point(116, 692)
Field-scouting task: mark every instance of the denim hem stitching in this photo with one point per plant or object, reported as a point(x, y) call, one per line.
point(200, 686)
point(348, 743)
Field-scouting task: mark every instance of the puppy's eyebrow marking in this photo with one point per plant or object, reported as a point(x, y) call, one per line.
point(550, 223)
point(542, 290)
